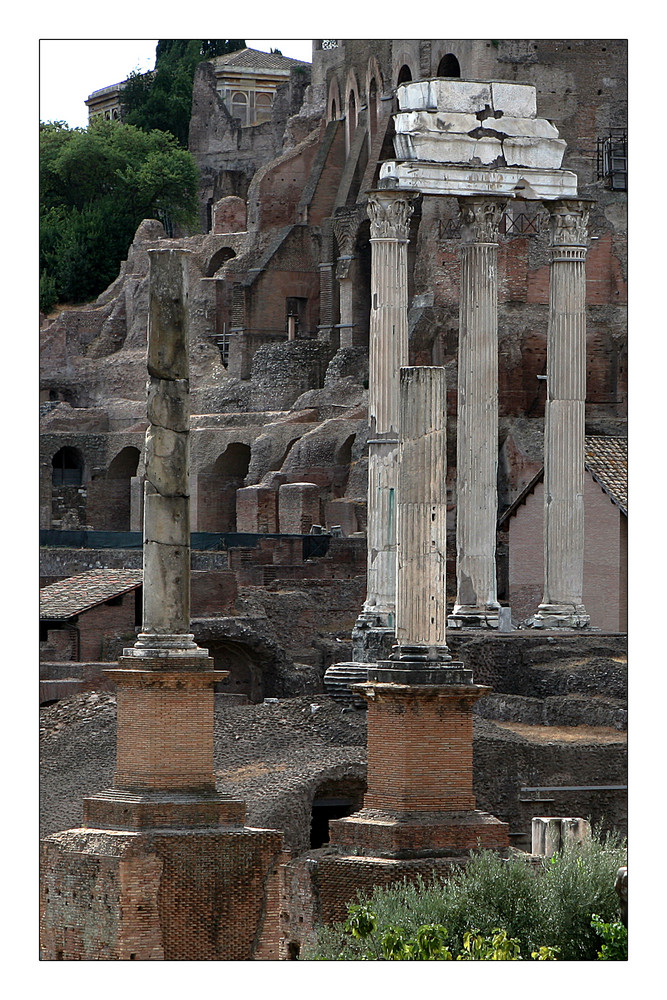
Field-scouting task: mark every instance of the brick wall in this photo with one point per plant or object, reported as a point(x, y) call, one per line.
point(419, 753)
point(604, 560)
point(177, 895)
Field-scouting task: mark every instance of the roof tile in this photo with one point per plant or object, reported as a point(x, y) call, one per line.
point(66, 598)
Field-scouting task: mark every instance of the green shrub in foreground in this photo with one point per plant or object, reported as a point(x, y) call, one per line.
point(548, 909)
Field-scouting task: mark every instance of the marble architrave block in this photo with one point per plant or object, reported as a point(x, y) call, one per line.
point(447, 147)
point(545, 154)
point(452, 122)
point(517, 100)
point(448, 179)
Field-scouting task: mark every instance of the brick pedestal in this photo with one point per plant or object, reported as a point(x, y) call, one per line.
point(420, 797)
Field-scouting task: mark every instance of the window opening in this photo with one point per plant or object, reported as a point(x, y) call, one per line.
point(449, 66)
point(67, 468)
point(404, 74)
point(612, 156)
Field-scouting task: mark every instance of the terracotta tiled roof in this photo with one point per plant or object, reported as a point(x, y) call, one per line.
point(607, 462)
point(71, 596)
point(254, 59)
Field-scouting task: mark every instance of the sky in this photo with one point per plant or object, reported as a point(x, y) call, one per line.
point(71, 69)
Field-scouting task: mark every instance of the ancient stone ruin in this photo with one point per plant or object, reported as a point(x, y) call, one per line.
point(396, 321)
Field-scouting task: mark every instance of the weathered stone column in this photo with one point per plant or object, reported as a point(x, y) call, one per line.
point(477, 424)
point(564, 420)
point(389, 211)
point(420, 799)
point(166, 592)
point(421, 528)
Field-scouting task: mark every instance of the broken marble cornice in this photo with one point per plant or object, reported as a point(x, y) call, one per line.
point(463, 137)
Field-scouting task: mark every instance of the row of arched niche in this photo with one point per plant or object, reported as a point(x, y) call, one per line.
point(345, 103)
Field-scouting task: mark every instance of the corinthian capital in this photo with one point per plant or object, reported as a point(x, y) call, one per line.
point(480, 218)
point(389, 212)
point(569, 222)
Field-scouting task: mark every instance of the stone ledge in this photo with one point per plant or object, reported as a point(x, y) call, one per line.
point(122, 810)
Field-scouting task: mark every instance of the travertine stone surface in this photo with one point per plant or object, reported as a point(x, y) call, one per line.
point(389, 213)
point(564, 427)
point(477, 428)
point(422, 509)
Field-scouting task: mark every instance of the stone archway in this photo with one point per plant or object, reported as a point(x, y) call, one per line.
point(115, 491)
point(217, 486)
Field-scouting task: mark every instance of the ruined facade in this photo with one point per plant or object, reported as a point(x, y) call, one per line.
point(286, 312)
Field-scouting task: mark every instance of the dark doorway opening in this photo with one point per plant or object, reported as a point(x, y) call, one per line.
point(323, 811)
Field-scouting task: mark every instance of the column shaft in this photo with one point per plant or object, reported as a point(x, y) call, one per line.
point(166, 589)
point(422, 509)
point(477, 422)
point(389, 213)
point(564, 432)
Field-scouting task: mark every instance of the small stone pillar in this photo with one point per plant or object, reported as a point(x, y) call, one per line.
point(389, 211)
point(550, 834)
point(477, 423)
point(564, 420)
point(298, 507)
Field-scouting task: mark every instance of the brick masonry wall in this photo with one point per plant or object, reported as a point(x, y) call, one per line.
point(164, 731)
point(177, 895)
point(419, 754)
point(603, 558)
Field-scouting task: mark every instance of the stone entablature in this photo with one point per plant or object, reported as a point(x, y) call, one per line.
point(470, 137)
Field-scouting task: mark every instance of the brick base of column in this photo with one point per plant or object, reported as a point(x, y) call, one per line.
point(420, 798)
point(383, 834)
point(189, 895)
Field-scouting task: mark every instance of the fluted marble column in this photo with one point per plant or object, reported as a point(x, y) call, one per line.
point(564, 423)
point(389, 211)
point(166, 589)
point(477, 423)
point(421, 527)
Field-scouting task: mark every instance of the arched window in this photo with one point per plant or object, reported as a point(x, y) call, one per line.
point(449, 66)
point(218, 259)
point(240, 107)
point(404, 74)
point(262, 107)
point(67, 468)
point(351, 120)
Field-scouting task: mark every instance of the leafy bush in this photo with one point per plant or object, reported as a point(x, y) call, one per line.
point(539, 911)
point(615, 937)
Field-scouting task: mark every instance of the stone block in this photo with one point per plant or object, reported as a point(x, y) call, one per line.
point(257, 509)
point(166, 519)
point(461, 96)
point(298, 507)
point(546, 154)
point(551, 834)
point(515, 99)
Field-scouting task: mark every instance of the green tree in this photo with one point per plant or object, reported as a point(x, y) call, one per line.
point(96, 187)
point(162, 99)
